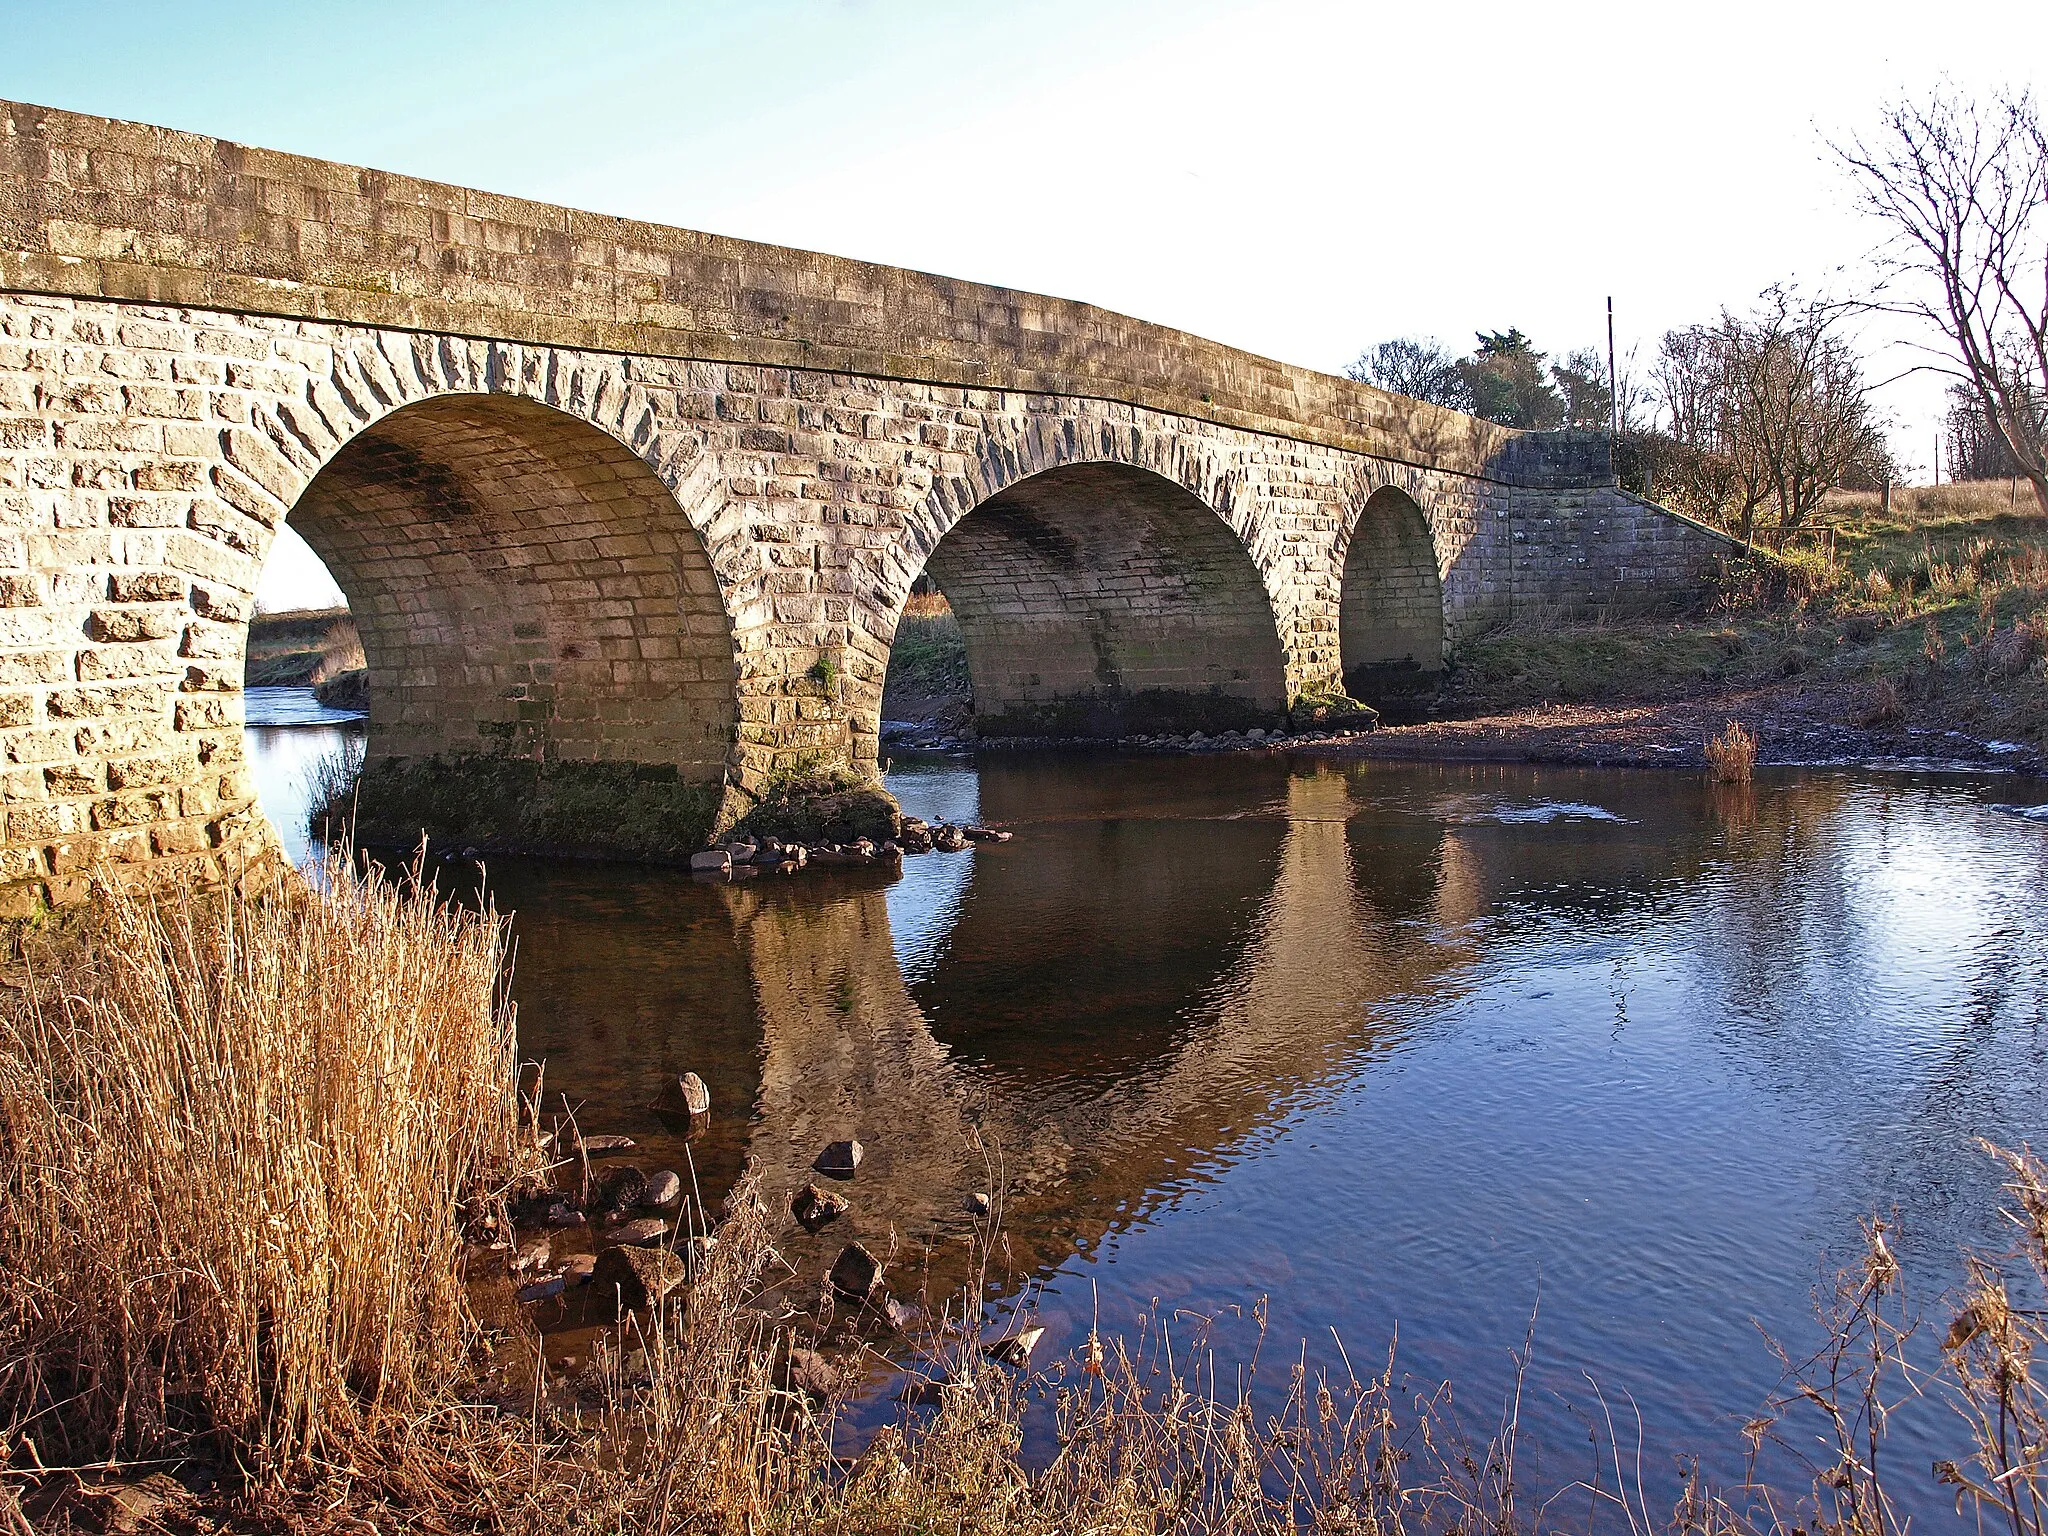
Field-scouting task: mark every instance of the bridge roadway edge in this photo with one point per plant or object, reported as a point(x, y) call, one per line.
point(172, 227)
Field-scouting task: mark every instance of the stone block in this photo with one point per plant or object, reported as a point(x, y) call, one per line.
point(119, 624)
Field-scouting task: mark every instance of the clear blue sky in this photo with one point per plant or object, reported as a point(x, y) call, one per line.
point(1300, 179)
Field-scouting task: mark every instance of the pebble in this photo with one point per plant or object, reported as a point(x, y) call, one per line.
point(531, 1256)
point(811, 1374)
point(1016, 1349)
point(640, 1276)
point(616, 1189)
point(814, 1207)
point(664, 1191)
point(685, 1095)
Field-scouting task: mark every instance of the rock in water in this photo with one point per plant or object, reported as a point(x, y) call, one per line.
point(576, 1270)
point(714, 861)
point(641, 1233)
point(813, 1376)
point(977, 1203)
point(685, 1096)
point(618, 1189)
point(814, 1206)
point(841, 1160)
point(664, 1191)
point(1016, 1349)
point(543, 1290)
point(902, 1315)
point(855, 1273)
point(640, 1276)
point(984, 835)
point(601, 1146)
point(532, 1255)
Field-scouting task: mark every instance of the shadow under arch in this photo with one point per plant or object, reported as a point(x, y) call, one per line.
point(1390, 625)
point(528, 593)
point(1100, 599)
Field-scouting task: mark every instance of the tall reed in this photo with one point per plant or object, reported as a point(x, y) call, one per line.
point(233, 1139)
point(1731, 756)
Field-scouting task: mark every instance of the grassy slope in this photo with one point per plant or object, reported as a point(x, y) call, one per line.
point(1945, 601)
point(301, 646)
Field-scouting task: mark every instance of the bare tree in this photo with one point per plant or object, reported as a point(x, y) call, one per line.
point(1964, 186)
point(1419, 369)
point(1799, 418)
point(1768, 410)
point(1973, 447)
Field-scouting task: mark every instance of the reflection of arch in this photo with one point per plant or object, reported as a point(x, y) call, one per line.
point(1095, 597)
point(1391, 621)
point(523, 581)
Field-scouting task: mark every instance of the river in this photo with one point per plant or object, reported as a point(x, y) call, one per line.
point(1450, 1049)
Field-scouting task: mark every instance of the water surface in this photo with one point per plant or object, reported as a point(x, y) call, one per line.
point(1435, 1048)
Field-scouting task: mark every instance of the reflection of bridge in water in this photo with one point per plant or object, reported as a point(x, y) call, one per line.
point(1128, 998)
point(1172, 958)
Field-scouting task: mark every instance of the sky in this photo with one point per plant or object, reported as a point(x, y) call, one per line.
point(1298, 179)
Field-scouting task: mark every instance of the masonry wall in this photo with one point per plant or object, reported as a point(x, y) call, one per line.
point(1585, 552)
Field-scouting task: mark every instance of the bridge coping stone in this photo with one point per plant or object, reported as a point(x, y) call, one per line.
point(91, 207)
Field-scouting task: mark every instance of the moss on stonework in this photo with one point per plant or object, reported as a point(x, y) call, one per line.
point(1330, 710)
point(1113, 713)
point(823, 805)
point(515, 805)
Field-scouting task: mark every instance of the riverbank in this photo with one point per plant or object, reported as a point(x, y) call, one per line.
point(1916, 634)
point(1795, 725)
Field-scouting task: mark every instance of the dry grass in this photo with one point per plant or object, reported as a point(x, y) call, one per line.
point(234, 1138)
point(302, 646)
point(1731, 756)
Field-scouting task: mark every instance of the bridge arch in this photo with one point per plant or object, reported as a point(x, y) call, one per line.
point(1390, 625)
point(524, 584)
point(1102, 597)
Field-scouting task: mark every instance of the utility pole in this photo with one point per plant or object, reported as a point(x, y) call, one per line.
point(1613, 394)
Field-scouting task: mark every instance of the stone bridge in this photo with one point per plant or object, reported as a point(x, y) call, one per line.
point(615, 504)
